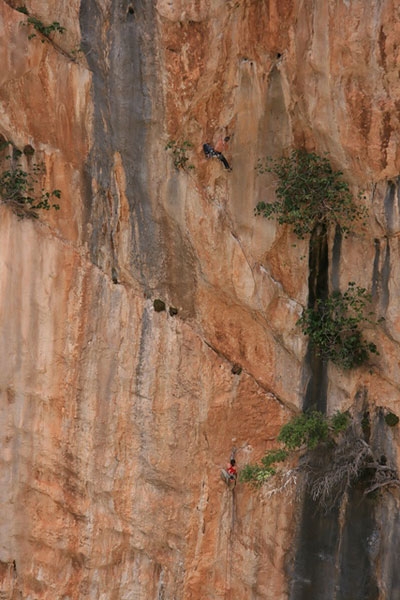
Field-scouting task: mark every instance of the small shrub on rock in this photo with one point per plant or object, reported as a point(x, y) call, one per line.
point(19, 189)
point(38, 25)
point(391, 419)
point(333, 327)
point(179, 151)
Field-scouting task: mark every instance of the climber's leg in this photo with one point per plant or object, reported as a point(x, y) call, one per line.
point(225, 476)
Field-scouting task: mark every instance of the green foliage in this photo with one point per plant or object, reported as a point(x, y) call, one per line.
point(307, 430)
point(75, 52)
point(4, 144)
point(391, 419)
point(259, 474)
point(274, 456)
point(19, 189)
point(366, 425)
point(333, 327)
point(256, 474)
point(179, 154)
point(339, 422)
point(308, 192)
point(45, 30)
point(39, 26)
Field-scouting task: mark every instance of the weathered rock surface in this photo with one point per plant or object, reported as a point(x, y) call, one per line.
point(115, 418)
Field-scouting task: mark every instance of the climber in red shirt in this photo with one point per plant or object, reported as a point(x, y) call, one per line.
point(232, 470)
point(230, 473)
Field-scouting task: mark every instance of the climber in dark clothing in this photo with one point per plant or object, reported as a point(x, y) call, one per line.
point(223, 160)
point(211, 153)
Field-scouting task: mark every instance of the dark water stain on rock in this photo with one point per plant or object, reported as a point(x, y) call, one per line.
point(336, 256)
point(358, 549)
point(121, 50)
point(315, 396)
point(124, 90)
point(313, 574)
point(380, 275)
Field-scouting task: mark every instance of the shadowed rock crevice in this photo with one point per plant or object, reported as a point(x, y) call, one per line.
point(318, 287)
point(336, 257)
point(366, 537)
point(358, 548)
point(391, 206)
point(388, 513)
point(381, 274)
point(313, 575)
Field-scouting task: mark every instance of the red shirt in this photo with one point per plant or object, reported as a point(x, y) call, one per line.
point(232, 470)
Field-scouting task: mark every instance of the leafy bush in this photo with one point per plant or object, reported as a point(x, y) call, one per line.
point(256, 474)
point(333, 327)
point(259, 474)
point(391, 419)
point(308, 192)
point(339, 421)
point(18, 188)
point(307, 429)
point(274, 456)
point(179, 154)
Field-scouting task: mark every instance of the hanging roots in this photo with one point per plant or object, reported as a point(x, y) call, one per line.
point(352, 461)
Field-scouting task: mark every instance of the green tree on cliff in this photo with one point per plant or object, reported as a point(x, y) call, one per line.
point(308, 192)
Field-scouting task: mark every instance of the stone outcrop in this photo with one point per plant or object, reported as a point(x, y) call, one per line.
point(117, 418)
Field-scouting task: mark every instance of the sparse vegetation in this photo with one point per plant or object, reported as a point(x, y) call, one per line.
point(19, 189)
point(333, 327)
point(179, 151)
point(39, 26)
point(333, 458)
point(259, 474)
point(308, 192)
point(306, 430)
point(77, 51)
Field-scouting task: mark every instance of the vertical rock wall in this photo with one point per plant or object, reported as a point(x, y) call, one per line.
point(116, 419)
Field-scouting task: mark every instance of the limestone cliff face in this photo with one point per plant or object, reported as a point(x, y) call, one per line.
point(116, 419)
